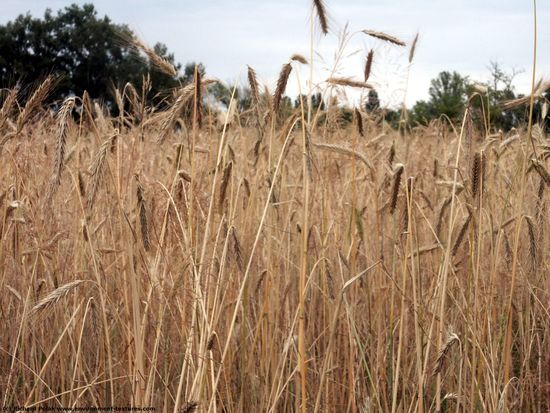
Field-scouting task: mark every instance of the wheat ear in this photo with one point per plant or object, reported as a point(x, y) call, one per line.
point(63, 118)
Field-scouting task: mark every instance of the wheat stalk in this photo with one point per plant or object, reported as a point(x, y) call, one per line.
point(359, 122)
point(237, 249)
point(298, 58)
point(441, 215)
point(368, 64)
point(281, 86)
point(81, 184)
point(321, 10)
point(7, 107)
point(538, 91)
point(475, 174)
point(97, 168)
point(397, 174)
point(384, 36)
point(343, 150)
point(391, 154)
point(53, 297)
point(254, 88)
point(63, 118)
point(412, 51)
point(184, 96)
point(189, 407)
point(532, 241)
point(452, 339)
point(461, 234)
point(541, 170)
point(255, 93)
point(184, 175)
point(344, 81)
point(34, 102)
point(197, 101)
point(158, 62)
point(142, 213)
point(224, 184)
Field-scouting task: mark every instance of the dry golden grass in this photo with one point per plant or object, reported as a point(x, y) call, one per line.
point(167, 259)
point(270, 264)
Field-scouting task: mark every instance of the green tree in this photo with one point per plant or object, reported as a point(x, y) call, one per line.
point(85, 51)
point(189, 71)
point(448, 95)
point(222, 93)
point(500, 89)
point(316, 101)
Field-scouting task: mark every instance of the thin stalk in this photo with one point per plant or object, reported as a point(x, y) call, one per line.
point(447, 259)
point(532, 102)
point(302, 356)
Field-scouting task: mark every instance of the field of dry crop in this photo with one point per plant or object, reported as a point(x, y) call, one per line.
point(270, 264)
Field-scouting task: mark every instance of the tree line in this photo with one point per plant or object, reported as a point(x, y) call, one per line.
point(86, 52)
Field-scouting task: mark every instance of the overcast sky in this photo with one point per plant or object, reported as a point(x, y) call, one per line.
point(227, 35)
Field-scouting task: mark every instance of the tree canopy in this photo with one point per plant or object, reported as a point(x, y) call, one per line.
point(448, 94)
point(85, 51)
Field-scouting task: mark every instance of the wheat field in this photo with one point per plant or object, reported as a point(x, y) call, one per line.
point(266, 263)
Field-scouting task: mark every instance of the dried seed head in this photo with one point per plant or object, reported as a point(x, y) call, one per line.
point(476, 174)
point(441, 214)
point(198, 97)
point(189, 407)
point(384, 36)
point(184, 175)
point(391, 155)
point(7, 106)
point(97, 168)
point(344, 81)
point(81, 185)
point(359, 122)
point(63, 118)
point(254, 88)
point(210, 344)
point(413, 48)
point(321, 10)
point(158, 62)
point(261, 279)
point(53, 297)
point(343, 150)
point(397, 175)
point(84, 228)
point(142, 213)
point(541, 170)
point(281, 86)
point(224, 184)
point(299, 58)
point(451, 340)
point(461, 234)
point(34, 102)
point(368, 64)
point(237, 249)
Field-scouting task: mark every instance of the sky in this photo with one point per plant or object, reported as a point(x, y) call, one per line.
point(226, 36)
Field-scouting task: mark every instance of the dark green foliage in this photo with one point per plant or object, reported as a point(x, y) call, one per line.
point(316, 101)
point(222, 93)
point(189, 70)
point(448, 94)
point(392, 117)
point(500, 90)
point(85, 51)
